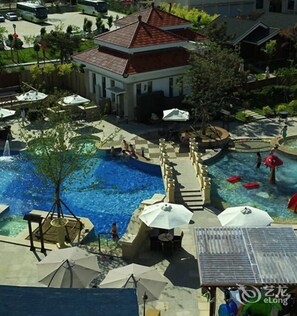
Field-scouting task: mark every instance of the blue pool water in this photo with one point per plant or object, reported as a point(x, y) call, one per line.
point(110, 193)
point(273, 198)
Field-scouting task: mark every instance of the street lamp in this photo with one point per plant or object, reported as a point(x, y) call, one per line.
point(14, 28)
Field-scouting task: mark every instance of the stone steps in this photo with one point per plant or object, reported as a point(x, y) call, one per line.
point(254, 115)
point(192, 199)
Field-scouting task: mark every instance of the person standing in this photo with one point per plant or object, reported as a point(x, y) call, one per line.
point(284, 132)
point(23, 115)
point(114, 232)
point(112, 151)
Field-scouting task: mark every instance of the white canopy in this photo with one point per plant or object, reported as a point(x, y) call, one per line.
point(175, 115)
point(68, 268)
point(166, 215)
point(244, 216)
point(146, 280)
point(74, 99)
point(31, 95)
point(6, 113)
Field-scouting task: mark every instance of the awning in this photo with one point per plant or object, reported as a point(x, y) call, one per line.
point(228, 256)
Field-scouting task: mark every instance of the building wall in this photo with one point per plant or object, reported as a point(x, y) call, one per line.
point(134, 85)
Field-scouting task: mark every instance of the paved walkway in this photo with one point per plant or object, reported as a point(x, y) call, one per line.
point(185, 174)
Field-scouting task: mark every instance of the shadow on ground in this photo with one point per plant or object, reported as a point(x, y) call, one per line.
point(183, 270)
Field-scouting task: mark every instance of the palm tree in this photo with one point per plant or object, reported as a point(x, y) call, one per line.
point(110, 21)
point(37, 49)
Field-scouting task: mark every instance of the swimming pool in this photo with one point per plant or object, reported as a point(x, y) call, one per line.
point(273, 198)
point(110, 193)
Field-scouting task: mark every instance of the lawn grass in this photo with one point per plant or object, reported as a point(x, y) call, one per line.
point(258, 111)
point(27, 55)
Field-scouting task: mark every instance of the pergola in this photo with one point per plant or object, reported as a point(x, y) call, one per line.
point(229, 256)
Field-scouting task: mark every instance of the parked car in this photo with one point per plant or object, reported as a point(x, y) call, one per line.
point(2, 19)
point(11, 16)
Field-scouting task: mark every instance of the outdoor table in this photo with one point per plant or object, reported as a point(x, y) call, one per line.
point(167, 243)
point(165, 237)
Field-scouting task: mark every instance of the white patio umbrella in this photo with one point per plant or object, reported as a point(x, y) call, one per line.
point(166, 215)
point(74, 99)
point(146, 281)
point(31, 96)
point(175, 115)
point(68, 268)
point(4, 113)
point(245, 216)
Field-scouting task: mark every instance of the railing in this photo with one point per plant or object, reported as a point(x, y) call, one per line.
point(201, 170)
point(167, 171)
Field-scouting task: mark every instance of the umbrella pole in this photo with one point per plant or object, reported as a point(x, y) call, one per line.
point(144, 297)
point(71, 273)
point(134, 281)
point(56, 273)
point(272, 176)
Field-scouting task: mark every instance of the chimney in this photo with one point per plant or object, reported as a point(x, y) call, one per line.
point(139, 18)
point(153, 5)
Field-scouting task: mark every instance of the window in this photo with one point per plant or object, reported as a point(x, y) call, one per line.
point(170, 87)
point(291, 5)
point(94, 82)
point(180, 85)
point(112, 83)
point(103, 87)
point(113, 97)
point(150, 87)
point(259, 4)
point(138, 89)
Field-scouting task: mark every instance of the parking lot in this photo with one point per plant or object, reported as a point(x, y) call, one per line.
point(25, 28)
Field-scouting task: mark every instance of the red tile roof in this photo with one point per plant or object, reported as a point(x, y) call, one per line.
point(139, 34)
point(121, 63)
point(106, 59)
point(153, 16)
point(189, 35)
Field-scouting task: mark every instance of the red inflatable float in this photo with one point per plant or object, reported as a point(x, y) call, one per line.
point(234, 179)
point(292, 205)
point(252, 185)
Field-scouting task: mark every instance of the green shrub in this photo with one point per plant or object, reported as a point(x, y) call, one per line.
point(267, 110)
point(281, 107)
point(241, 116)
point(292, 107)
point(272, 95)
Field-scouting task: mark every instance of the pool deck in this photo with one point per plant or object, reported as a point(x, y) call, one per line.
point(182, 295)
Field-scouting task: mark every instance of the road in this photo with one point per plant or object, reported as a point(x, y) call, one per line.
point(25, 28)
